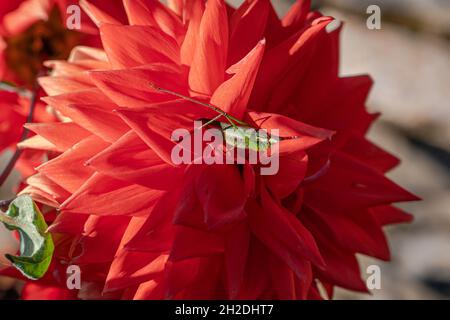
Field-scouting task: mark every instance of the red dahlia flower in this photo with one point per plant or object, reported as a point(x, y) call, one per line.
point(141, 227)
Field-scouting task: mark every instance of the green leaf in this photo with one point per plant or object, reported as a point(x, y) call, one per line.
point(36, 245)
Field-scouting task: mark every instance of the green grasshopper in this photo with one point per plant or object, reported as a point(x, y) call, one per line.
point(246, 137)
point(237, 133)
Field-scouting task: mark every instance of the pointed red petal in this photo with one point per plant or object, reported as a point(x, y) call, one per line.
point(208, 67)
point(125, 49)
point(233, 95)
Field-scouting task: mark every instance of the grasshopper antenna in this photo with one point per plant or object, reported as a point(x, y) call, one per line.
point(229, 117)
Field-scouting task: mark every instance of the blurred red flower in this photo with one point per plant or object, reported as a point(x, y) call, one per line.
point(142, 228)
point(31, 32)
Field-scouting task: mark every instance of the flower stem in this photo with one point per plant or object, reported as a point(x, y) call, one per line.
point(11, 164)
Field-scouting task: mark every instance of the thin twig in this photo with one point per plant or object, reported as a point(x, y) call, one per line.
point(7, 171)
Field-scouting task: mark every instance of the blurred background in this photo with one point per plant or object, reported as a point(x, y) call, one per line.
point(409, 59)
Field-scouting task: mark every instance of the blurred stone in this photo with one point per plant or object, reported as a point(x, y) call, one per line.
point(428, 15)
point(439, 282)
point(281, 6)
point(418, 172)
point(411, 74)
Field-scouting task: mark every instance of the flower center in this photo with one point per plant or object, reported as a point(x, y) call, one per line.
point(44, 40)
